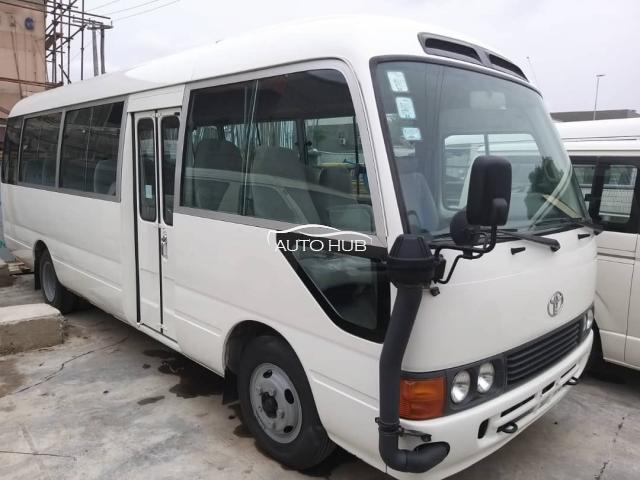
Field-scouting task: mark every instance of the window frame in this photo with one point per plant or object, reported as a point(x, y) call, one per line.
point(380, 235)
point(63, 110)
point(600, 162)
point(7, 181)
point(20, 151)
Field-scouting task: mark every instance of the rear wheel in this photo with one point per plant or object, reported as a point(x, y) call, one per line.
point(277, 404)
point(54, 293)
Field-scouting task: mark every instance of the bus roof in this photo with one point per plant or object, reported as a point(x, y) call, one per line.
point(354, 39)
point(618, 129)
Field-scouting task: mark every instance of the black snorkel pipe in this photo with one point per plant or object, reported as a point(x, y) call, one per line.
point(411, 267)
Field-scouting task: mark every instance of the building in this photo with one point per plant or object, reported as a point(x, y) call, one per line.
point(588, 115)
point(22, 53)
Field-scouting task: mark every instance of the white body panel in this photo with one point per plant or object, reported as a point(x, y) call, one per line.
point(219, 274)
point(618, 291)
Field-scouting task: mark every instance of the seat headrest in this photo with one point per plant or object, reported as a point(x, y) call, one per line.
point(215, 154)
point(278, 162)
point(336, 179)
point(104, 177)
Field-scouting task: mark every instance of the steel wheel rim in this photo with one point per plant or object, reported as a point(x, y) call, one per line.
point(49, 281)
point(275, 403)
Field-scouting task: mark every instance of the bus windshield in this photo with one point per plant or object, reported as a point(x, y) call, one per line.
point(439, 119)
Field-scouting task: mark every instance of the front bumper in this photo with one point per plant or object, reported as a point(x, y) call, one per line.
point(522, 405)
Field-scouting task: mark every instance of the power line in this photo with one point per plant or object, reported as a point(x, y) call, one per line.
point(134, 7)
point(146, 11)
point(105, 4)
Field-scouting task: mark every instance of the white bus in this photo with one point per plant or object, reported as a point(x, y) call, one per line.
point(273, 207)
point(606, 158)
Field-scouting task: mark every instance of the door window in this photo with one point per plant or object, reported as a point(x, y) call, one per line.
point(169, 127)
point(585, 174)
point(147, 169)
point(609, 187)
point(618, 196)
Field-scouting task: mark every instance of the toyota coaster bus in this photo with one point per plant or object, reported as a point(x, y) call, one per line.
point(315, 211)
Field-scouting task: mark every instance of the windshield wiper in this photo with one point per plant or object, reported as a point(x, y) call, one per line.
point(553, 244)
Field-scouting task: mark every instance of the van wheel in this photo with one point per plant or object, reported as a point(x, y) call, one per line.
point(54, 293)
point(277, 404)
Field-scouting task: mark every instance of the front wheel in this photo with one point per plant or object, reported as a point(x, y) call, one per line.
point(278, 407)
point(54, 293)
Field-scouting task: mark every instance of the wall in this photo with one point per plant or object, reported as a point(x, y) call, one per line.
point(22, 52)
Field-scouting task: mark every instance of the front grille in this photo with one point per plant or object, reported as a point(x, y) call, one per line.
point(526, 361)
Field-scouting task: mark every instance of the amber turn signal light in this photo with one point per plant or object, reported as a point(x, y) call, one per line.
point(421, 399)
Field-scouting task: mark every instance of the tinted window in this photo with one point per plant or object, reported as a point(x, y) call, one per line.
point(11, 149)
point(169, 134)
point(147, 169)
point(89, 160)
point(585, 175)
point(39, 150)
point(617, 196)
point(281, 148)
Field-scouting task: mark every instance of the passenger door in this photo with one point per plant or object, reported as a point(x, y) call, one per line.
point(609, 185)
point(156, 144)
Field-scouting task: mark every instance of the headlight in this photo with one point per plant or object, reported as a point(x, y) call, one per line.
point(460, 387)
point(588, 319)
point(486, 375)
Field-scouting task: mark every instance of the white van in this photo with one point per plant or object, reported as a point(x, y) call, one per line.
point(606, 159)
point(286, 208)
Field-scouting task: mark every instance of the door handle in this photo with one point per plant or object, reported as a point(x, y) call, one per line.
point(164, 246)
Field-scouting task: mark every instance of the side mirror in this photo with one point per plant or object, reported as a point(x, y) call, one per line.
point(489, 191)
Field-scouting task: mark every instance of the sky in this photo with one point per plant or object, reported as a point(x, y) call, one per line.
point(560, 44)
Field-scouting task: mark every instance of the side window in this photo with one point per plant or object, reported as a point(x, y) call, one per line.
point(147, 169)
point(90, 144)
point(585, 174)
point(40, 150)
point(10, 151)
point(618, 197)
point(169, 127)
point(281, 148)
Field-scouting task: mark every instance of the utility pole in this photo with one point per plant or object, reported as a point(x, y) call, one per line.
point(595, 103)
point(95, 51)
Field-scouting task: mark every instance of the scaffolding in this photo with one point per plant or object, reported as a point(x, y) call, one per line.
point(65, 21)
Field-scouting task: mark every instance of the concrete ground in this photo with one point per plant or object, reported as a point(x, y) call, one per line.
point(113, 403)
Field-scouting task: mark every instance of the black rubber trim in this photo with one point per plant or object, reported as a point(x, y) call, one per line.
point(375, 253)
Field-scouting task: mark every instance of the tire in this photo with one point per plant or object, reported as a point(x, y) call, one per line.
point(278, 407)
point(54, 293)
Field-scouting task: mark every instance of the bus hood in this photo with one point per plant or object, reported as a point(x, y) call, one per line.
point(501, 301)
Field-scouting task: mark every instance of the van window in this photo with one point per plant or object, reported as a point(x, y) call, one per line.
point(282, 148)
point(147, 169)
point(89, 158)
point(169, 137)
point(584, 175)
point(40, 150)
point(10, 151)
point(617, 196)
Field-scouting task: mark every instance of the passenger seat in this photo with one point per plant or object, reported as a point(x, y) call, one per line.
point(213, 192)
point(276, 171)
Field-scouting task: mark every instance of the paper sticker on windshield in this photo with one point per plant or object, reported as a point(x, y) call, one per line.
point(411, 134)
point(405, 108)
point(148, 191)
point(397, 82)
